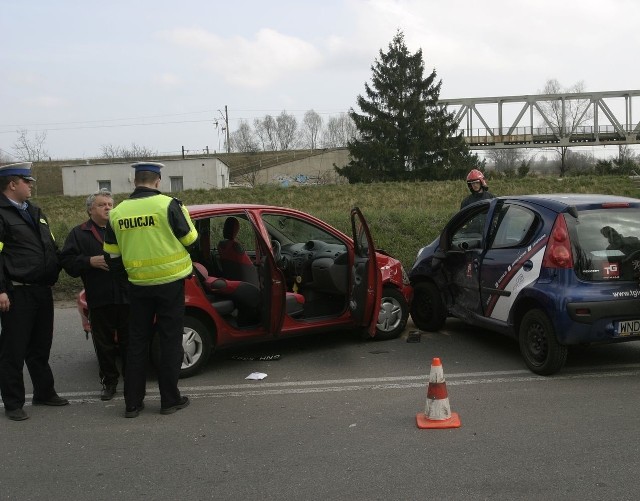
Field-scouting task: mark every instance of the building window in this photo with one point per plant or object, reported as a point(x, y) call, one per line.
point(104, 184)
point(176, 183)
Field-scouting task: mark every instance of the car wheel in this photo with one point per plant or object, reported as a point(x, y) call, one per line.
point(539, 345)
point(393, 314)
point(196, 345)
point(427, 309)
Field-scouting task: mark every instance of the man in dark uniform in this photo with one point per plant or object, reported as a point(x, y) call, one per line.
point(147, 238)
point(479, 190)
point(107, 295)
point(28, 268)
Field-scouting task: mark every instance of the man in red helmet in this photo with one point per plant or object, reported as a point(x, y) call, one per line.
point(478, 188)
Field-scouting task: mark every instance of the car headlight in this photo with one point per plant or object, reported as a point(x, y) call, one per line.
point(405, 277)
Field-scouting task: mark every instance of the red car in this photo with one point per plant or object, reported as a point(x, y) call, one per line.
point(263, 272)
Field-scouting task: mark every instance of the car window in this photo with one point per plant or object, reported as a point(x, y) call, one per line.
point(606, 243)
point(511, 226)
point(245, 236)
point(289, 229)
point(468, 234)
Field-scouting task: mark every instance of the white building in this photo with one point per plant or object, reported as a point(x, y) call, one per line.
point(177, 175)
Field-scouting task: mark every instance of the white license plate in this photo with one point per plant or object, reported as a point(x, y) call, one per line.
point(628, 328)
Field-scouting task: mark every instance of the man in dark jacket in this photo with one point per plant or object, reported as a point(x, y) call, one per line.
point(478, 187)
point(106, 295)
point(28, 269)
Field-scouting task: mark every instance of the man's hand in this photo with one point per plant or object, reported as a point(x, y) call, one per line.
point(99, 262)
point(5, 304)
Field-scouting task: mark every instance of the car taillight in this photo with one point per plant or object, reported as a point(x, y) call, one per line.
point(558, 252)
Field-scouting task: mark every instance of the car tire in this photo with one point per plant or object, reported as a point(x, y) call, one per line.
point(196, 344)
point(393, 314)
point(427, 309)
point(539, 346)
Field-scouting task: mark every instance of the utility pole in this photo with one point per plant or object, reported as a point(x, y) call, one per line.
point(225, 127)
point(226, 123)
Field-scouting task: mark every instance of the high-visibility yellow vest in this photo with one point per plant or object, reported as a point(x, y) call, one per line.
point(151, 253)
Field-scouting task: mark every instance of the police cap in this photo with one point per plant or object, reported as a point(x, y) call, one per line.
point(22, 169)
point(149, 166)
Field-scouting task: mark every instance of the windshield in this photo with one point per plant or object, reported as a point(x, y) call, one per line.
point(288, 229)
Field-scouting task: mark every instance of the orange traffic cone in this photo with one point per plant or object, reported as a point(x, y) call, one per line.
point(437, 411)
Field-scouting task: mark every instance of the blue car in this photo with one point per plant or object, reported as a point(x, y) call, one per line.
point(550, 270)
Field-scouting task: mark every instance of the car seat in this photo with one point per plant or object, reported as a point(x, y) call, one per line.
point(235, 263)
point(245, 296)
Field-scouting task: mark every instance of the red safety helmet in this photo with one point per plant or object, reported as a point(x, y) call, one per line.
point(476, 175)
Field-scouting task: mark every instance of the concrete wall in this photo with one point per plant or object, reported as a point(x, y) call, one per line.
point(196, 173)
point(317, 169)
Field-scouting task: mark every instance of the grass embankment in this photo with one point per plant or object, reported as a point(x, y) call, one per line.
point(402, 216)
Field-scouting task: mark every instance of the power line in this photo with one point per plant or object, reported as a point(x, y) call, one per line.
point(113, 126)
point(80, 124)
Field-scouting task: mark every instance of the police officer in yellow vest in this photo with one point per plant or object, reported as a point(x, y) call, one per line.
point(147, 238)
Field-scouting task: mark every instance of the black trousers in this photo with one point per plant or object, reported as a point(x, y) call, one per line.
point(110, 334)
point(164, 304)
point(27, 334)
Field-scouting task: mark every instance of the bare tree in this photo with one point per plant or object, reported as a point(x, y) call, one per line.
point(243, 139)
point(266, 131)
point(287, 126)
point(133, 152)
point(339, 131)
point(506, 159)
point(564, 115)
point(5, 157)
point(311, 128)
point(30, 150)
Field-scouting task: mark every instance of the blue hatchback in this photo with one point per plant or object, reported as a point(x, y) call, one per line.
point(550, 270)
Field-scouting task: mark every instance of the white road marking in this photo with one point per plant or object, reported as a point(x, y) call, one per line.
point(368, 384)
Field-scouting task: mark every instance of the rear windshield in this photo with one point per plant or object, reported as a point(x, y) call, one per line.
point(606, 244)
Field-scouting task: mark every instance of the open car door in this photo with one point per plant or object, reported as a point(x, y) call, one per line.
point(272, 282)
point(366, 279)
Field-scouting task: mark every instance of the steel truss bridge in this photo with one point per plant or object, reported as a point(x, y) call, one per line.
point(537, 120)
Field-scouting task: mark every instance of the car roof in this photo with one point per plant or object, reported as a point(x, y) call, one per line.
point(194, 210)
point(560, 201)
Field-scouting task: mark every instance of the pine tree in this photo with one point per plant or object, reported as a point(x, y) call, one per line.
point(403, 133)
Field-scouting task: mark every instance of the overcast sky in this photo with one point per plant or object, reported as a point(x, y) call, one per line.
point(159, 73)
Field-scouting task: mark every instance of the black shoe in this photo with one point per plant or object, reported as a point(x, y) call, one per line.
point(108, 391)
point(182, 403)
point(132, 412)
point(54, 399)
point(16, 414)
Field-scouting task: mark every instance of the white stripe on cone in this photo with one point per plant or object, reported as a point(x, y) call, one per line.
point(438, 409)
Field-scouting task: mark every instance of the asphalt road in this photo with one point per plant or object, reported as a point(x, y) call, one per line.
point(335, 419)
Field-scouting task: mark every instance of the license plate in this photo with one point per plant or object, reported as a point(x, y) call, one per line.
point(628, 328)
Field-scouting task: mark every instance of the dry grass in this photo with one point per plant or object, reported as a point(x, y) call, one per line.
point(403, 216)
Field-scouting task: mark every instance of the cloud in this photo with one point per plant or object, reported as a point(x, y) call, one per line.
point(46, 102)
point(168, 80)
point(267, 58)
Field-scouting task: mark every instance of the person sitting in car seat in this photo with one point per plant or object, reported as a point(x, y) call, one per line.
point(478, 188)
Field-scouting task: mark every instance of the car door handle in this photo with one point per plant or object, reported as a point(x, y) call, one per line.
point(527, 265)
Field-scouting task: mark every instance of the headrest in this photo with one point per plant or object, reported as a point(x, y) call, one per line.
point(231, 228)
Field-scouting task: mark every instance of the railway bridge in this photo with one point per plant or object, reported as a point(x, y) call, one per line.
point(541, 121)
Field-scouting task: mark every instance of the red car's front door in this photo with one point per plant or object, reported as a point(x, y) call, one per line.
point(273, 285)
point(366, 280)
